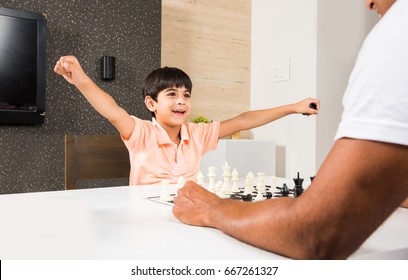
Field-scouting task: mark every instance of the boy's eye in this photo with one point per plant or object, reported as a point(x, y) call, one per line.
point(187, 95)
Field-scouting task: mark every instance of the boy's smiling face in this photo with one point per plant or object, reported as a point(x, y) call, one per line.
point(172, 107)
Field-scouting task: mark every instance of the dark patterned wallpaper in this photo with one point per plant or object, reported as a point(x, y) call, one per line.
point(32, 157)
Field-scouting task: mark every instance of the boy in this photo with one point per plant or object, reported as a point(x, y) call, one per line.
point(167, 147)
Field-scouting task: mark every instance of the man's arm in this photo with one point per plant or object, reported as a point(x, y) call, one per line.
point(358, 186)
point(104, 104)
point(252, 119)
point(405, 203)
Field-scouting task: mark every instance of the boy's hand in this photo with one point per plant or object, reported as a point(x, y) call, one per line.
point(308, 106)
point(70, 69)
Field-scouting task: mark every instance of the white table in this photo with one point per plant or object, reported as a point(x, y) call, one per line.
point(120, 223)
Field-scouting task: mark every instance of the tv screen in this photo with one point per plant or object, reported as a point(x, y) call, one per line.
point(22, 66)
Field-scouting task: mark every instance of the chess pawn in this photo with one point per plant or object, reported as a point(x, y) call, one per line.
point(200, 178)
point(248, 187)
point(261, 183)
point(165, 194)
point(250, 178)
point(259, 196)
point(219, 190)
point(235, 179)
point(273, 184)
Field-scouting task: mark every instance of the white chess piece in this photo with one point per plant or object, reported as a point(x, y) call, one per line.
point(200, 178)
point(180, 182)
point(226, 188)
point(235, 179)
point(211, 176)
point(261, 183)
point(248, 186)
point(249, 182)
point(165, 195)
point(274, 183)
point(259, 196)
point(219, 190)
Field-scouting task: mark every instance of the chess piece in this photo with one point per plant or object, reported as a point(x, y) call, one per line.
point(235, 179)
point(200, 178)
point(298, 190)
point(284, 190)
point(261, 183)
point(180, 182)
point(273, 184)
point(259, 196)
point(219, 190)
point(165, 194)
point(226, 188)
point(211, 176)
point(250, 178)
point(248, 186)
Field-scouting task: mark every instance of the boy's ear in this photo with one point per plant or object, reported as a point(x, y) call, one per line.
point(149, 103)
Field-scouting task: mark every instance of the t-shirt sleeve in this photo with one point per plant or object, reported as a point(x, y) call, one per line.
point(376, 98)
point(207, 134)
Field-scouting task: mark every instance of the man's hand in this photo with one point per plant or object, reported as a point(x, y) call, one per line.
point(193, 205)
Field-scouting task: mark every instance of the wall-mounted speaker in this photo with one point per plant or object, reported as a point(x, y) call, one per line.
point(108, 68)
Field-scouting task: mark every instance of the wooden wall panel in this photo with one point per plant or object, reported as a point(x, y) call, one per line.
point(211, 41)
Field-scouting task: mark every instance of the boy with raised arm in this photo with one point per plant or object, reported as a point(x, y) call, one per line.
point(167, 147)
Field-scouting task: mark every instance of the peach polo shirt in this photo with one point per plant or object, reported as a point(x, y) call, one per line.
point(154, 157)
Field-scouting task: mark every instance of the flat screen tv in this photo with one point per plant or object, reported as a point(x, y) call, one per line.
point(22, 66)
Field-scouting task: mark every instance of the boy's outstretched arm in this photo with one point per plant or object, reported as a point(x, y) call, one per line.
point(104, 104)
point(252, 119)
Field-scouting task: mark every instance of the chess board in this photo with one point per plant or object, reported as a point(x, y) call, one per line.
point(241, 195)
point(252, 189)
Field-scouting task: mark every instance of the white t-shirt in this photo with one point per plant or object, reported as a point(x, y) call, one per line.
point(376, 99)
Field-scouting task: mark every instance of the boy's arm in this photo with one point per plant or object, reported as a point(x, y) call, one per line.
point(252, 119)
point(104, 104)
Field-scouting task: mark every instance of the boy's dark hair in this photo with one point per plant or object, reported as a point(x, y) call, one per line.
point(163, 78)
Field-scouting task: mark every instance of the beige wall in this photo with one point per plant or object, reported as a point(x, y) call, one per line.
point(211, 41)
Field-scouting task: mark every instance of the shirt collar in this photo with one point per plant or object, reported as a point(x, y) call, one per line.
point(162, 136)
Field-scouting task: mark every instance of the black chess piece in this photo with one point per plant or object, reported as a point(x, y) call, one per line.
point(284, 191)
point(313, 106)
point(243, 197)
point(298, 189)
point(268, 195)
point(298, 181)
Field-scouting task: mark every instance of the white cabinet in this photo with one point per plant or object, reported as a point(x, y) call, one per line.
point(244, 155)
